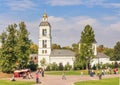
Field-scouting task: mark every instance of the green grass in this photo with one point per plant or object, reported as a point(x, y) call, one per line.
point(110, 81)
point(8, 82)
point(71, 72)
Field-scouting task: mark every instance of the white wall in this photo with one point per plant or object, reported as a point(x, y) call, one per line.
point(101, 60)
point(64, 60)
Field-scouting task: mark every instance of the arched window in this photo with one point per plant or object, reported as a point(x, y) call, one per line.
point(44, 42)
point(44, 32)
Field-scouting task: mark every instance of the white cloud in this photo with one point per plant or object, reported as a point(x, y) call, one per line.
point(90, 3)
point(115, 26)
point(111, 5)
point(66, 31)
point(83, 20)
point(107, 18)
point(20, 4)
point(64, 2)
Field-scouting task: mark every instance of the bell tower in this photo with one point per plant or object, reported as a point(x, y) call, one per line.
point(44, 49)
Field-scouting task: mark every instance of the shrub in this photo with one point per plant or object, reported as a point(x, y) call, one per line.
point(68, 66)
point(61, 66)
point(32, 66)
point(54, 66)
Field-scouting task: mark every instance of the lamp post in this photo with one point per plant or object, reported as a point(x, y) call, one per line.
point(98, 62)
point(87, 65)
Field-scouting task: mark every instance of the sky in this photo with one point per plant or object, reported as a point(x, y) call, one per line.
point(67, 18)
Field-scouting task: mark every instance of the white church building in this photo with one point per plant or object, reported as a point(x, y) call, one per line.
point(59, 55)
point(45, 52)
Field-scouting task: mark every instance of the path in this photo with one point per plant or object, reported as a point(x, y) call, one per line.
point(57, 80)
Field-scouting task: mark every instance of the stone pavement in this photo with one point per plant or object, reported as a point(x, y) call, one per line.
point(57, 79)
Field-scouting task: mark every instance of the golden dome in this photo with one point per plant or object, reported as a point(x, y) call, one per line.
point(45, 16)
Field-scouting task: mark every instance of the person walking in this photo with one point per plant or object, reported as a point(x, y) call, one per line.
point(63, 76)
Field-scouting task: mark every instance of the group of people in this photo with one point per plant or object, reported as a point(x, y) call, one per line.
point(103, 72)
point(27, 75)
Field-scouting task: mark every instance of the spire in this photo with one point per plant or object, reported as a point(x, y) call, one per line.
point(45, 16)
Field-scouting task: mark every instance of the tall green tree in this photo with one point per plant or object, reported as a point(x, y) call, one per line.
point(87, 39)
point(23, 46)
point(80, 62)
point(116, 53)
point(15, 48)
point(8, 56)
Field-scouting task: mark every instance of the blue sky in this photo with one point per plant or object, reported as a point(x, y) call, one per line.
point(67, 18)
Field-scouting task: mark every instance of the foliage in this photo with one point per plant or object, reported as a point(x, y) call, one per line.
point(33, 48)
point(105, 50)
point(79, 62)
point(15, 48)
point(67, 47)
point(8, 53)
point(48, 68)
point(100, 48)
point(75, 47)
point(109, 52)
point(54, 66)
point(61, 67)
point(67, 67)
point(23, 46)
point(116, 53)
point(55, 46)
point(87, 39)
point(32, 66)
point(94, 67)
point(43, 62)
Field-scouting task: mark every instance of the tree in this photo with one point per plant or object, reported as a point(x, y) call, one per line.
point(75, 47)
point(87, 39)
point(43, 62)
point(55, 46)
point(109, 52)
point(66, 47)
point(8, 56)
point(116, 53)
point(23, 46)
point(80, 62)
point(33, 48)
point(100, 48)
point(15, 48)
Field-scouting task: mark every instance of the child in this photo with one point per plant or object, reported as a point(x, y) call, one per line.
point(37, 78)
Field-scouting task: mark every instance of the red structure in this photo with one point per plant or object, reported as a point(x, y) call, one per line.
point(20, 73)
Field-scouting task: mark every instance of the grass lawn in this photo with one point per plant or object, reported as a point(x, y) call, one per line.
point(110, 81)
point(7, 82)
point(71, 72)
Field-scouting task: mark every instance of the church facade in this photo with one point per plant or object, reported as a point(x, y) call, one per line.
point(45, 41)
point(45, 52)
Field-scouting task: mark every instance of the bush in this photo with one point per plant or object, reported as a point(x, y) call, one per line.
point(61, 66)
point(48, 68)
point(32, 66)
point(68, 66)
point(94, 67)
point(54, 66)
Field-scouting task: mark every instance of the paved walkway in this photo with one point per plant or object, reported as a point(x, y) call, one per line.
point(57, 80)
